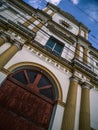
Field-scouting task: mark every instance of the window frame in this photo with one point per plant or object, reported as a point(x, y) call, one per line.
point(56, 43)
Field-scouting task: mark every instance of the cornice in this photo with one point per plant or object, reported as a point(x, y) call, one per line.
point(5, 71)
point(69, 16)
point(70, 65)
point(44, 14)
point(95, 82)
point(50, 5)
point(57, 58)
point(53, 23)
point(52, 26)
point(79, 37)
point(91, 80)
point(84, 27)
point(24, 31)
point(22, 5)
point(60, 34)
point(94, 51)
point(81, 66)
point(86, 85)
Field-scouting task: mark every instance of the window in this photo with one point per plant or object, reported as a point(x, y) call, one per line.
point(96, 63)
point(36, 81)
point(65, 24)
point(55, 46)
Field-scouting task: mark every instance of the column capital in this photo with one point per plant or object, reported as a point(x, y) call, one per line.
point(74, 78)
point(18, 44)
point(4, 36)
point(86, 85)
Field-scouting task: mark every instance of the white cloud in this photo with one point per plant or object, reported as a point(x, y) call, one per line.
point(36, 3)
point(56, 2)
point(32, 1)
point(75, 2)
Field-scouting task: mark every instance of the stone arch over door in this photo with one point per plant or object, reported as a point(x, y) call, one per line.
point(27, 99)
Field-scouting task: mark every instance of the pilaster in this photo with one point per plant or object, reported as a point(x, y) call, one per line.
point(70, 107)
point(30, 21)
point(77, 51)
point(9, 53)
point(84, 121)
point(52, 14)
point(3, 38)
point(85, 58)
point(46, 10)
point(36, 28)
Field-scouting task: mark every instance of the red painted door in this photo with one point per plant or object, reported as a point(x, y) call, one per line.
point(26, 103)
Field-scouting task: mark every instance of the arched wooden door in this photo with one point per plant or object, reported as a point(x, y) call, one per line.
point(26, 101)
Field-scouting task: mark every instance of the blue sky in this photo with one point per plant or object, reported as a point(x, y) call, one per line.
point(85, 11)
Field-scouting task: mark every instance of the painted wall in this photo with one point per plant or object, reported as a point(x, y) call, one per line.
point(4, 47)
point(68, 50)
point(94, 108)
point(57, 17)
point(57, 118)
point(25, 55)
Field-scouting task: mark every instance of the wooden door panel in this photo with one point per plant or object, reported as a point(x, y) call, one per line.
point(21, 109)
point(11, 121)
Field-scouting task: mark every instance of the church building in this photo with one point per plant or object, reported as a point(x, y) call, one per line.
point(48, 70)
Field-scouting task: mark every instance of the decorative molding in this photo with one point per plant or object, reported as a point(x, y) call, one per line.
point(43, 15)
point(49, 60)
point(85, 84)
point(18, 44)
point(74, 78)
point(68, 16)
point(65, 24)
point(80, 65)
point(40, 68)
point(23, 30)
point(4, 36)
point(61, 34)
point(60, 103)
point(5, 71)
point(15, 36)
point(95, 80)
point(22, 5)
point(71, 66)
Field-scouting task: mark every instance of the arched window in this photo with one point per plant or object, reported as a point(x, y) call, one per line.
point(35, 81)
